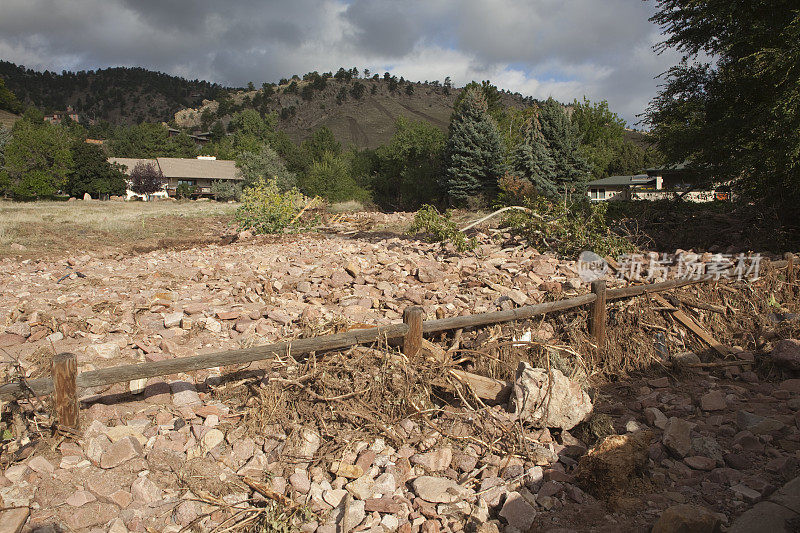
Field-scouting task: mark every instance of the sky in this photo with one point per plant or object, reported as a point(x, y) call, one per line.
point(566, 49)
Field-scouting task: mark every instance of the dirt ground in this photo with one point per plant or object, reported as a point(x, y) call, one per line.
point(41, 230)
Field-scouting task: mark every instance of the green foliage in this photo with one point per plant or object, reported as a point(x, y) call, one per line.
point(531, 160)
point(184, 190)
point(331, 178)
point(226, 191)
point(474, 155)
point(570, 167)
point(144, 140)
point(408, 167)
point(732, 106)
point(267, 164)
point(322, 141)
point(567, 228)
point(494, 106)
point(93, 173)
point(38, 160)
point(601, 135)
point(440, 228)
point(8, 101)
point(266, 209)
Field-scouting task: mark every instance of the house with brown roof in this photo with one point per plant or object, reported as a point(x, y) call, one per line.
point(199, 173)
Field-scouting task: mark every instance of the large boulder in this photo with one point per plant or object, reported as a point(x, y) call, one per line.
point(687, 519)
point(787, 354)
point(549, 399)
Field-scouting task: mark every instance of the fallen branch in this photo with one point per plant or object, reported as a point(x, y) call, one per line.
point(491, 215)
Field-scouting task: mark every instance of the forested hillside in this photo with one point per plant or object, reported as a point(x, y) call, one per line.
point(119, 95)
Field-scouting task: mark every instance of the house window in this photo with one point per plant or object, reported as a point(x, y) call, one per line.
point(601, 194)
point(190, 183)
point(593, 194)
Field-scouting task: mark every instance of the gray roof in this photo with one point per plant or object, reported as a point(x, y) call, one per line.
point(217, 169)
point(621, 181)
point(179, 167)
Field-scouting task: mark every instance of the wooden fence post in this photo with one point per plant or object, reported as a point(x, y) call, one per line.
point(65, 374)
point(412, 342)
point(598, 315)
point(789, 267)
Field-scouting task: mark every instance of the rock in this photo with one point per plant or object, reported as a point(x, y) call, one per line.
point(699, 462)
point(211, 439)
point(106, 350)
point(687, 518)
point(518, 512)
point(361, 488)
point(353, 269)
point(758, 425)
point(608, 468)
point(347, 470)
point(87, 197)
point(746, 493)
point(214, 326)
point(353, 514)
point(492, 490)
point(145, 491)
point(677, 437)
point(429, 275)
point(79, 498)
point(119, 452)
point(439, 490)
point(300, 482)
point(552, 400)
point(433, 461)
point(22, 329)
point(42, 466)
point(184, 394)
point(7, 340)
point(713, 401)
point(173, 320)
point(655, 417)
point(787, 354)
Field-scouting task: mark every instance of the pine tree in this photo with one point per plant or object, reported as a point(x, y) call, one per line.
point(474, 150)
point(531, 160)
point(570, 167)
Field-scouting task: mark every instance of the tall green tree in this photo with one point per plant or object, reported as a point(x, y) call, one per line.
point(5, 138)
point(267, 164)
point(38, 160)
point(732, 105)
point(331, 178)
point(408, 166)
point(570, 167)
point(531, 160)
point(474, 151)
point(600, 132)
point(93, 173)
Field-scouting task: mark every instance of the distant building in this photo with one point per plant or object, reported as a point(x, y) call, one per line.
point(658, 183)
point(199, 173)
point(200, 138)
point(59, 116)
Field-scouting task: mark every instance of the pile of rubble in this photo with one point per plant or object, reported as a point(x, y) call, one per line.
point(170, 454)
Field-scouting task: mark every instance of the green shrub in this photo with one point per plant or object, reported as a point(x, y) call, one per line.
point(567, 228)
point(440, 228)
point(265, 209)
point(225, 191)
point(184, 190)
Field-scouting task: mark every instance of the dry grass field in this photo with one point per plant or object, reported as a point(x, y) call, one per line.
point(47, 229)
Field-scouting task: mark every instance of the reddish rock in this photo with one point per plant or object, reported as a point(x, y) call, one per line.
point(123, 450)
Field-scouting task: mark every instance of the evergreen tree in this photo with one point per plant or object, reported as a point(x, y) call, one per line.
point(266, 164)
point(531, 160)
point(474, 150)
point(570, 167)
point(37, 159)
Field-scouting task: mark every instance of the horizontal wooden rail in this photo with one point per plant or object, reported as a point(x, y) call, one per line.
point(338, 341)
point(124, 373)
point(496, 317)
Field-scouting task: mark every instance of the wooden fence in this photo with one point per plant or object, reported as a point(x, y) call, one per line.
point(65, 381)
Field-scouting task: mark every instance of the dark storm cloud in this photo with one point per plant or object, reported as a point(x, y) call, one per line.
point(563, 48)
